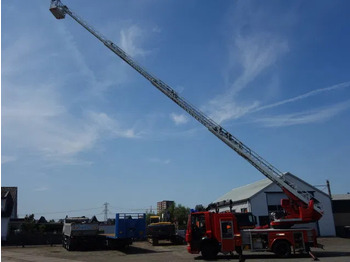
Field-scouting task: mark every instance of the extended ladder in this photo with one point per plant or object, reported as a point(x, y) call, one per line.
point(59, 10)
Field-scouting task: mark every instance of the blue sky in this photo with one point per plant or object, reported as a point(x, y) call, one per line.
point(81, 128)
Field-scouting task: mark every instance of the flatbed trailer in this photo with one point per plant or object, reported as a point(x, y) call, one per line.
point(127, 228)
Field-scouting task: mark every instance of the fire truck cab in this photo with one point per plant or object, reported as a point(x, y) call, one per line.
point(211, 233)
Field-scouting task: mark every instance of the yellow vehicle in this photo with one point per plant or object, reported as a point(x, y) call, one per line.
point(158, 230)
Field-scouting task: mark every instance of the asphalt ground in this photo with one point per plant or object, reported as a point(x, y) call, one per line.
point(336, 249)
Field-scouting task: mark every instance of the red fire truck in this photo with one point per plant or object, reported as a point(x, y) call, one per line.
point(211, 233)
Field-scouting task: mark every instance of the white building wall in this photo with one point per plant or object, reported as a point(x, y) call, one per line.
point(4, 227)
point(259, 202)
point(326, 223)
point(274, 198)
point(258, 205)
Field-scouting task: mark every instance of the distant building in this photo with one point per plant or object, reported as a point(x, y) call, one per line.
point(8, 208)
point(164, 205)
point(263, 197)
point(341, 213)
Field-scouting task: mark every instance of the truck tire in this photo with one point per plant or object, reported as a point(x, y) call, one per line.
point(281, 248)
point(155, 242)
point(68, 245)
point(209, 250)
point(71, 245)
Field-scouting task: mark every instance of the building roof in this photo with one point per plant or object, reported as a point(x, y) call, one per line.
point(6, 190)
point(341, 197)
point(248, 191)
point(10, 194)
point(4, 194)
point(245, 192)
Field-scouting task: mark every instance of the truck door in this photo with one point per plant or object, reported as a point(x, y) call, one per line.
point(227, 234)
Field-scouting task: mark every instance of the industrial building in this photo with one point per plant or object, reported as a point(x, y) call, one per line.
point(341, 212)
point(263, 197)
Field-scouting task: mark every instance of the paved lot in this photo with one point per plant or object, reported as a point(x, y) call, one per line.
point(336, 249)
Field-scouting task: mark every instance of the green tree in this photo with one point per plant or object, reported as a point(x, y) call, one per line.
point(28, 224)
point(180, 216)
point(199, 208)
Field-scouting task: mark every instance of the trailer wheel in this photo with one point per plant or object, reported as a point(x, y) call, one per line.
point(155, 242)
point(71, 245)
point(281, 248)
point(68, 245)
point(209, 250)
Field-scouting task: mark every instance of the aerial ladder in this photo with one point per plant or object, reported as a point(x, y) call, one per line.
point(300, 207)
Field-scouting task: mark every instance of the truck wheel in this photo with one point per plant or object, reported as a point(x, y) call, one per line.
point(68, 245)
point(209, 250)
point(281, 248)
point(307, 248)
point(155, 242)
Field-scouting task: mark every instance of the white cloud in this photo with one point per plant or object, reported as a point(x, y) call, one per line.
point(41, 112)
point(7, 159)
point(41, 189)
point(256, 53)
point(254, 50)
point(58, 134)
point(179, 119)
point(128, 39)
point(303, 96)
point(306, 117)
point(104, 123)
point(251, 55)
point(156, 29)
point(159, 161)
point(230, 111)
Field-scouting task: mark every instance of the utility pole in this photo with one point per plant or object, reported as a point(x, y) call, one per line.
point(329, 189)
point(106, 211)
